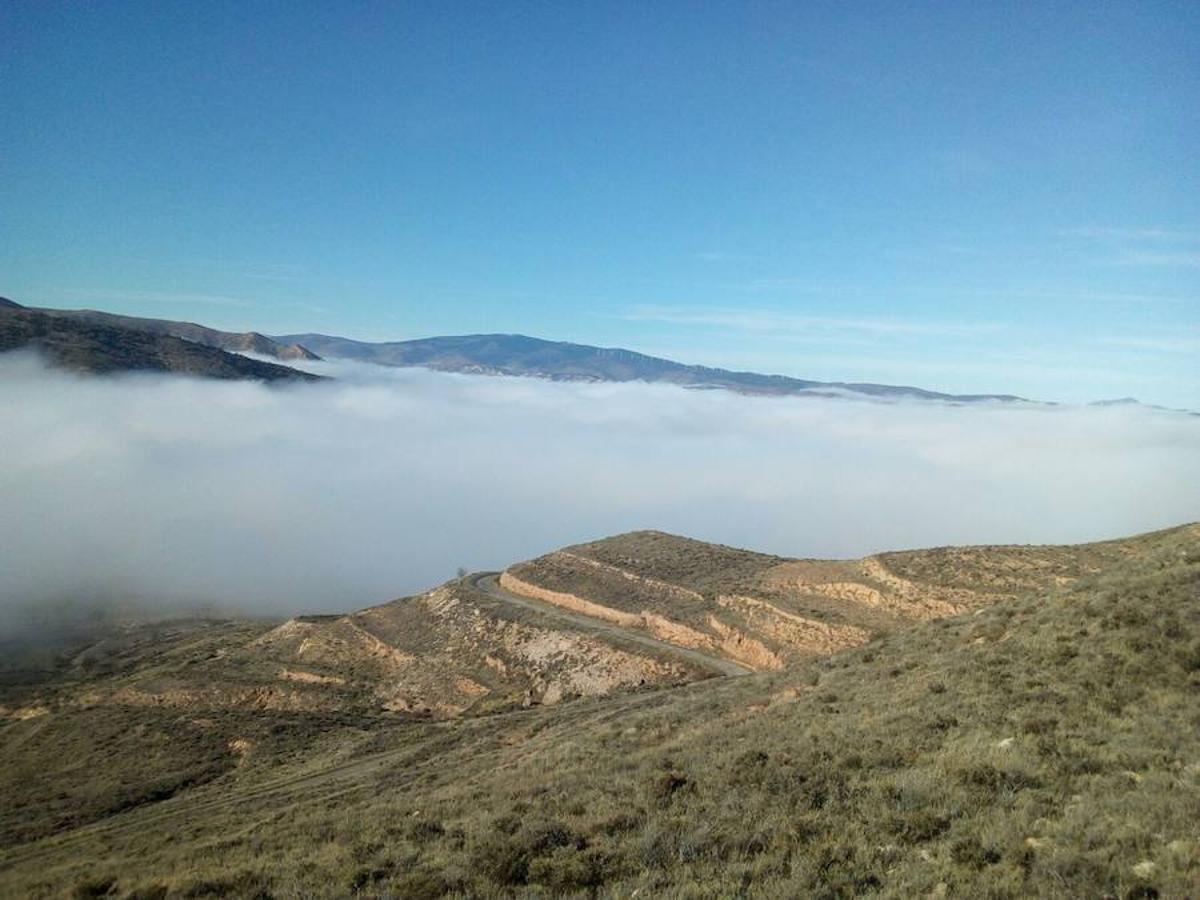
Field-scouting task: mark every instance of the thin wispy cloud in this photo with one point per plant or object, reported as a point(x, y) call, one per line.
point(1132, 234)
point(1141, 247)
point(272, 275)
point(720, 256)
point(967, 165)
point(1081, 295)
point(798, 285)
point(1165, 344)
point(242, 268)
point(172, 298)
point(1087, 296)
point(1165, 260)
point(772, 322)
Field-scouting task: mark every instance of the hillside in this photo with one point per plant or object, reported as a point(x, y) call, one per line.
point(95, 347)
point(1041, 742)
point(515, 354)
point(443, 654)
point(234, 342)
point(769, 611)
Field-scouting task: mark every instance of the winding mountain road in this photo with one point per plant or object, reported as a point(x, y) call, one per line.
point(488, 583)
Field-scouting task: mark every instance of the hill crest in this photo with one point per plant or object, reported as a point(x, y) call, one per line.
point(233, 342)
point(97, 347)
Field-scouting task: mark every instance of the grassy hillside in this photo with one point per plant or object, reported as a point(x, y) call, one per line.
point(138, 712)
point(1046, 745)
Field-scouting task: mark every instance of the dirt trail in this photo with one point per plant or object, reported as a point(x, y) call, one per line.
point(487, 583)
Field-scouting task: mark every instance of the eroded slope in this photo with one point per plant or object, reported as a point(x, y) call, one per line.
point(142, 712)
point(768, 612)
point(453, 649)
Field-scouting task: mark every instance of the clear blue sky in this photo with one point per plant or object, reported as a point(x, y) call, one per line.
point(1000, 197)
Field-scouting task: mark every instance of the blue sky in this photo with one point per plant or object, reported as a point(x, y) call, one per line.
point(967, 197)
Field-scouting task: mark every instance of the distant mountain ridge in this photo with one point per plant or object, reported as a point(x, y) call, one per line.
point(96, 346)
point(520, 355)
point(234, 342)
point(504, 354)
point(513, 355)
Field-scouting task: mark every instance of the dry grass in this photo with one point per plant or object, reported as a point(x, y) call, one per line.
point(1046, 746)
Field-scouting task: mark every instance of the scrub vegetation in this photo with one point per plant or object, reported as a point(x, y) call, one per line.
point(1045, 745)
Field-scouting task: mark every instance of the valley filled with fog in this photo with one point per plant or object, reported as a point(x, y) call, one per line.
point(178, 493)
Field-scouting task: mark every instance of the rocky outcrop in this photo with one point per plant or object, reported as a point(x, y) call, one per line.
point(511, 582)
point(868, 583)
point(798, 633)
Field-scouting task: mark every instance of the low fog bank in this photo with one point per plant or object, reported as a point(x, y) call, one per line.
point(186, 493)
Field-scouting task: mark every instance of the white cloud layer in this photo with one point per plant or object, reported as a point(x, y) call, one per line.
point(332, 497)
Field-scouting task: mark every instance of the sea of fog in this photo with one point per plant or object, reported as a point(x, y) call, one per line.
point(179, 492)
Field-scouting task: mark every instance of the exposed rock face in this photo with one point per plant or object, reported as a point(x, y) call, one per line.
point(718, 637)
point(743, 648)
point(869, 583)
point(310, 677)
point(445, 651)
point(511, 582)
point(812, 635)
point(724, 640)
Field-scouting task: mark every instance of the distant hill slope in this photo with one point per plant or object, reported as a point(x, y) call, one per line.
point(246, 342)
point(1044, 745)
point(514, 354)
point(84, 345)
